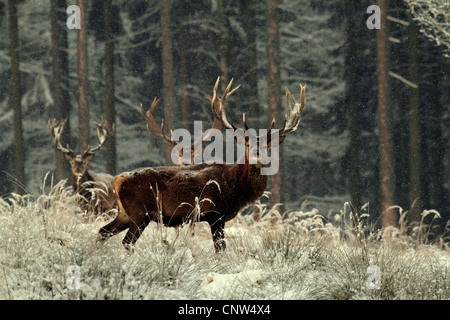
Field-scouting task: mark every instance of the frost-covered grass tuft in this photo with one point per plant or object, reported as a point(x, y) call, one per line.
point(301, 256)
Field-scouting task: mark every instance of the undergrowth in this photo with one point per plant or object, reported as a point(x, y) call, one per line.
point(270, 255)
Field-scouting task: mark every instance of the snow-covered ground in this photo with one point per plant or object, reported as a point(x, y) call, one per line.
point(48, 252)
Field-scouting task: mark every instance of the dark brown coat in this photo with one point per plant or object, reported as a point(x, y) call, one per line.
point(172, 197)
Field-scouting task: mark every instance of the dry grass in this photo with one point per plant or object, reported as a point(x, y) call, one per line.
point(302, 256)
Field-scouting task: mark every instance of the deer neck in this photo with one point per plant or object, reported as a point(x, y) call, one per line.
point(250, 182)
point(78, 180)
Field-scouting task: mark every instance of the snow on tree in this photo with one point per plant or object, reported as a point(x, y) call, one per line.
point(434, 20)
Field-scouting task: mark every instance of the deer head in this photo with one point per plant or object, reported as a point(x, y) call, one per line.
point(79, 163)
point(256, 147)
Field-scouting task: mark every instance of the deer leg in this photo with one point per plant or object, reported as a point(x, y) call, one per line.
point(134, 233)
point(112, 228)
point(217, 226)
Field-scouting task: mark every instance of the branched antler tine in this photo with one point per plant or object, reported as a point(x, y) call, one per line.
point(245, 123)
point(165, 137)
point(225, 94)
point(56, 129)
point(104, 132)
point(214, 98)
point(153, 105)
point(216, 85)
point(272, 125)
point(151, 123)
point(101, 131)
point(220, 114)
point(52, 126)
point(292, 119)
point(223, 118)
point(232, 91)
point(152, 126)
point(302, 98)
point(289, 95)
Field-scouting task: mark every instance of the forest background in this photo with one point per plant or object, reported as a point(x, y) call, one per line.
point(136, 50)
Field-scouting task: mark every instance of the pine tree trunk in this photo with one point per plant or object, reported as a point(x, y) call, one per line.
point(82, 81)
point(384, 136)
point(167, 69)
point(224, 44)
point(109, 86)
point(252, 62)
point(60, 94)
point(273, 55)
point(184, 64)
point(16, 97)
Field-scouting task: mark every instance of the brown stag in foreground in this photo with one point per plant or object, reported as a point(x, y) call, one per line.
point(168, 194)
point(94, 190)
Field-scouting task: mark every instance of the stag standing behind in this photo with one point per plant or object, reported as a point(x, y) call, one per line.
point(93, 190)
point(168, 194)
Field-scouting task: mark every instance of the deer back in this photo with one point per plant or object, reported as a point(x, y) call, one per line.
point(174, 191)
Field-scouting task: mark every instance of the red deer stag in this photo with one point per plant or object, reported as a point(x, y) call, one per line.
point(167, 194)
point(94, 190)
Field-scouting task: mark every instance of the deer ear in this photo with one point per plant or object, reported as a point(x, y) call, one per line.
point(88, 156)
point(68, 157)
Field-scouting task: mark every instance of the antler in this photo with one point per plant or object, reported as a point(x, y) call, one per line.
point(218, 105)
point(56, 128)
point(104, 132)
point(152, 127)
point(291, 120)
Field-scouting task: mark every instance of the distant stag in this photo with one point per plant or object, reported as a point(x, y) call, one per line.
point(94, 190)
point(170, 194)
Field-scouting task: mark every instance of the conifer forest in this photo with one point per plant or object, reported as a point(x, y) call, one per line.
point(371, 151)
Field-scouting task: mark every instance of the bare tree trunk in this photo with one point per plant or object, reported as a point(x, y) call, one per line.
point(274, 83)
point(224, 44)
point(109, 86)
point(16, 97)
point(384, 116)
point(167, 68)
point(82, 80)
point(416, 181)
point(60, 94)
point(252, 61)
